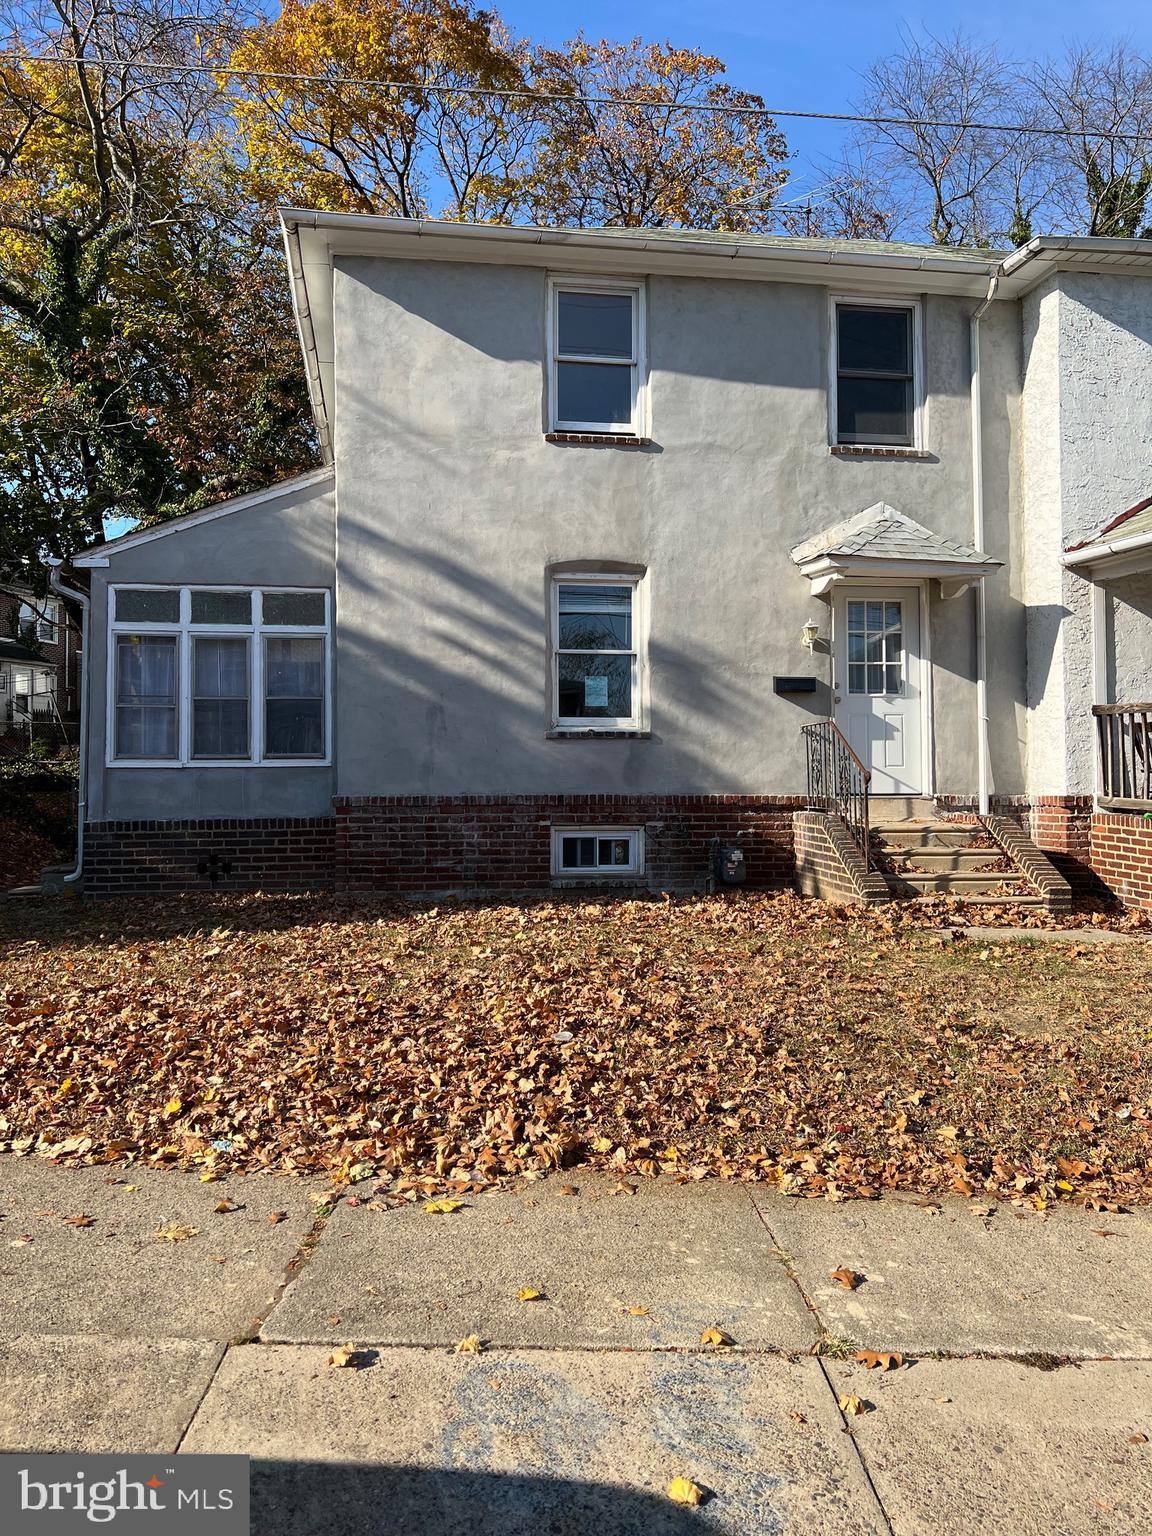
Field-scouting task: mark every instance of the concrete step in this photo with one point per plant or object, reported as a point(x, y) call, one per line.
point(902, 807)
point(952, 882)
point(926, 834)
point(939, 860)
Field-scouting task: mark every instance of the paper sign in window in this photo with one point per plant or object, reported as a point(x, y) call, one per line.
point(595, 693)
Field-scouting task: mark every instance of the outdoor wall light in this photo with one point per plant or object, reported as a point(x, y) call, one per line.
point(810, 634)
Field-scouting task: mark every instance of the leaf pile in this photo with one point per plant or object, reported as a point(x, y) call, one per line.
point(828, 1051)
point(23, 854)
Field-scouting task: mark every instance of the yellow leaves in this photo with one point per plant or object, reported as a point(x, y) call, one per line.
point(716, 1338)
point(682, 1490)
point(173, 1232)
point(443, 1207)
point(471, 1345)
point(528, 1293)
point(637, 1312)
point(210, 1177)
point(848, 1278)
point(172, 1108)
point(885, 1359)
point(852, 1406)
point(66, 1087)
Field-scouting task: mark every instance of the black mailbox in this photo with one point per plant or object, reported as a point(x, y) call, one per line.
point(794, 685)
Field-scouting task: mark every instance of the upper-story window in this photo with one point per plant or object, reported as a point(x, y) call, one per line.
point(223, 675)
point(42, 617)
point(595, 356)
point(876, 363)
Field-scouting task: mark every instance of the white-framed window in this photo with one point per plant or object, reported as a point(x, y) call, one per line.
point(216, 676)
point(595, 355)
point(590, 853)
point(877, 374)
point(597, 635)
point(42, 617)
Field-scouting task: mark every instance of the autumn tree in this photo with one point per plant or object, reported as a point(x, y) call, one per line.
point(146, 356)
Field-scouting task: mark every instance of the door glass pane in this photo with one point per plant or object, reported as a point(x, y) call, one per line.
point(875, 647)
point(595, 324)
point(875, 679)
point(305, 609)
point(220, 698)
point(892, 679)
point(146, 696)
point(857, 682)
point(597, 393)
point(875, 340)
point(293, 697)
point(594, 687)
point(595, 618)
point(874, 410)
point(221, 607)
point(148, 607)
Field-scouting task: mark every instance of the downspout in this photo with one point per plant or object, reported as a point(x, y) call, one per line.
point(76, 873)
point(982, 756)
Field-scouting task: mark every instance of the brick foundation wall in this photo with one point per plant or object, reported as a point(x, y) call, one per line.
point(829, 864)
point(493, 843)
point(1121, 844)
point(157, 858)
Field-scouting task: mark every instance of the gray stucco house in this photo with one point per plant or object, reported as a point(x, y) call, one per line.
point(606, 518)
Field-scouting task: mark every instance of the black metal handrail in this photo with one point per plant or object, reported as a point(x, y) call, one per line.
point(1125, 744)
point(838, 780)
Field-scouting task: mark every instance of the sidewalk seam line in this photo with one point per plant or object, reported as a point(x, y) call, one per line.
point(223, 1350)
point(855, 1444)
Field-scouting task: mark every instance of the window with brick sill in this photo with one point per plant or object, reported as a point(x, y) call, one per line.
point(596, 641)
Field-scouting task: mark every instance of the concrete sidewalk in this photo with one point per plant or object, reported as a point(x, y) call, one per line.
point(1024, 1404)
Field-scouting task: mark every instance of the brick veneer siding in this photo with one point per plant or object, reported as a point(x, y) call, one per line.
point(493, 843)
point(829, 864)
point(156, 858)
point(1121, 844)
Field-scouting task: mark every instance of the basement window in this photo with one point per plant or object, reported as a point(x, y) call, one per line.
point(597, 852)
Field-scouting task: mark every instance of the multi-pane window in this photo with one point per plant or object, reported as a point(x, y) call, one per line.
point(595, 357)
point(218, 675)
point(875, 374)
point(595, 653)
point(42, 618)
point(875, 647)
point(589, 851)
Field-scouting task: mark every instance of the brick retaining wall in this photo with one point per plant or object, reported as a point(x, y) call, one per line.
point(830, 865)
point(1122, 855)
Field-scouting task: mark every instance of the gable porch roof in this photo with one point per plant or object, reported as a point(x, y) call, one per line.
point(881, 541)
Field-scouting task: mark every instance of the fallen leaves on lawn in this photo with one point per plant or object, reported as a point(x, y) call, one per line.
point(682, 1490)
point(848, 1278)
point(717, 1338)
point(828, 1052)
point(528, 1293)
point(173, 1232)
point(885, 1359)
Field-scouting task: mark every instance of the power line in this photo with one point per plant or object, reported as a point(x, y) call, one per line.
point(1040, 130)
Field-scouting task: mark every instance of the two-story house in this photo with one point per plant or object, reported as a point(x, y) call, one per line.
point(606, 519)
point(39, 662)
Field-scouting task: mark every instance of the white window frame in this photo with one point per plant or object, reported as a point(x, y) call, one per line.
point(558, 283)
point(255, 632)
point(43, 617)
point(919, 399)
point(639, 651)
point(635, 836)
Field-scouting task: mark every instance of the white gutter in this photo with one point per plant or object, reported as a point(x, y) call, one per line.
point(76, 873)
point(983, 766)
point(1092, 554)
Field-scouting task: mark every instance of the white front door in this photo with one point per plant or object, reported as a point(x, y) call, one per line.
point(876, 684)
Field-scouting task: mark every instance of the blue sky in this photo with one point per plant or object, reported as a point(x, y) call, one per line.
point(809, 56)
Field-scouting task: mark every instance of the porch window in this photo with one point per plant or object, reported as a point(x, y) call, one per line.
point(592, 851)
point(875, 648)
point(218, 676)
point(595, 655)
point(594, 347)
point(875, 374)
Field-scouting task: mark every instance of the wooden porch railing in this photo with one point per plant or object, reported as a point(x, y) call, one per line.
point(1125, 743)
point(838, 780)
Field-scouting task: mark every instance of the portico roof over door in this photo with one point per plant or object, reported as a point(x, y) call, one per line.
point(880, 541)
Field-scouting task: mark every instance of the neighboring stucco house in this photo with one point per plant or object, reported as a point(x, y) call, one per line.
point(606, 519)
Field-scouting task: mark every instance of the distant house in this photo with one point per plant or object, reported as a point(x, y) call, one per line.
point(632, 544)
point(40, 652)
